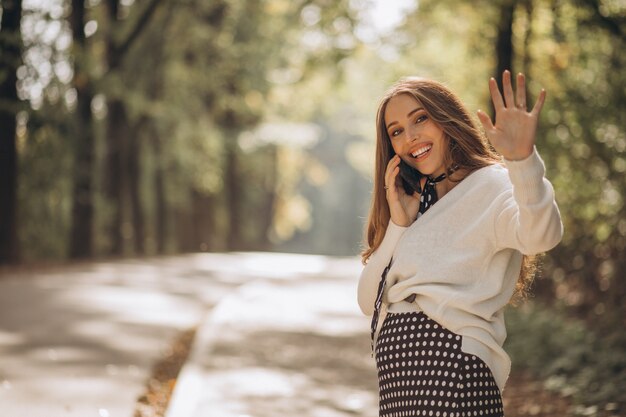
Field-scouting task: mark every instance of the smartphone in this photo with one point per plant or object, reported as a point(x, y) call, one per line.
point(410, 178)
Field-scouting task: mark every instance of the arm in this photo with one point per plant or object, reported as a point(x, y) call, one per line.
point(403, 210)
point(529, 220)
point(372, 271)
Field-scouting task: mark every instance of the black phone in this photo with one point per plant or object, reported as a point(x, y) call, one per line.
point(410, 178)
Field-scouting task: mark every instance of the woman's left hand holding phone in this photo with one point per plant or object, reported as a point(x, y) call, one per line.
point(403, 207)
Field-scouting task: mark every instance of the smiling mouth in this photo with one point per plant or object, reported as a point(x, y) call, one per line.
point(421, 152)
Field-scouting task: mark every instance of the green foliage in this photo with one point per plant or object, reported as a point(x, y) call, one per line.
point(570, 355)
point(575, 51)
point(203, 75)
point(198, 76)
point(586, 144)
point(222, 82)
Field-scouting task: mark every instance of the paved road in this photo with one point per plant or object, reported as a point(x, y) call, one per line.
point(81, 340)
point(291, 343)
point(278, 335)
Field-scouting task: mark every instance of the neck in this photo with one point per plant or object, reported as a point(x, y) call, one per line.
point(443, 187)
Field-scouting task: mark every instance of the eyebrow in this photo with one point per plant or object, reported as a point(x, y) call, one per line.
point(408, 115)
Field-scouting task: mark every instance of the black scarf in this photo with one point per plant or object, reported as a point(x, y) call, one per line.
point(429, 195)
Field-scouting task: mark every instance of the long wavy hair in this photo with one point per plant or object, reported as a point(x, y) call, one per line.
point(467, 149)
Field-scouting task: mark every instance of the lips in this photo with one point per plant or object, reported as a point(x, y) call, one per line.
point(422, 151)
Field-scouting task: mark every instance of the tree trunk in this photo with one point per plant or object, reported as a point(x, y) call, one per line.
point(11, 59)
point(82, 204)
point(527, 40)
point(159, 191)
point(185, 228)
point(203, 220)
point(266, 215)
point(116, 131)
point(133, 168)
point(154, 134)
point(504, 43)
point(233, 193)
point(117, 125)
point(123, 163)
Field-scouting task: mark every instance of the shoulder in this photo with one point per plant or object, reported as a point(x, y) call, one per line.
point(489, 179)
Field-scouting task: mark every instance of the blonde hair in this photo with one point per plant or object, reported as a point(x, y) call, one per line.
point(467, 150)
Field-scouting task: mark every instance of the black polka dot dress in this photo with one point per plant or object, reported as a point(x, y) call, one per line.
point(422, 370)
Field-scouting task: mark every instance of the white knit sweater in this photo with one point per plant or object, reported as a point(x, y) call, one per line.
point(462, 257)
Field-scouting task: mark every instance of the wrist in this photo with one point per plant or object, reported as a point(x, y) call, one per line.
point(399, 223)
point(519, 156)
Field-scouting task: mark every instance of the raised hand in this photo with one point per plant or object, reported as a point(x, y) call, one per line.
point(513, 134)
point(403, 207)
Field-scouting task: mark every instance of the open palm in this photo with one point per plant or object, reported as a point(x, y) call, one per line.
point(513, 134)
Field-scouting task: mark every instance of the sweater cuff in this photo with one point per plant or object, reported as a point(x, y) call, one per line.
point(394, 229)
point(527, 177)
point(384, 252)
point(392, 235)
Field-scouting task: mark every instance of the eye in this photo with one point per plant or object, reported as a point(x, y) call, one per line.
point(396, 132)
point(421, 118)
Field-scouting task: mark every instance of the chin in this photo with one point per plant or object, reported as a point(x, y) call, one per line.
point(426, 171)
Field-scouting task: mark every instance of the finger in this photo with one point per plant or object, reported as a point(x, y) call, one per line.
point(507, 88)
point(521, 91)
point(391, 165)
point(485, 120)
point(496, 97)
point(395, 181)
point(390, 180)
point(539, 103)
point(393, 177)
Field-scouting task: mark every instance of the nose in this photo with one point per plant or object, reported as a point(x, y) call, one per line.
point(412, 133)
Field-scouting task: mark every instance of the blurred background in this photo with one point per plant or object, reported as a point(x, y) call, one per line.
point(134, 128)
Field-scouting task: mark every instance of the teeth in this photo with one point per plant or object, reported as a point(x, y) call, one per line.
point(421, 151)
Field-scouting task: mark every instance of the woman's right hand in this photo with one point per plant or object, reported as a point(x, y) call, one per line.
point(403, 207)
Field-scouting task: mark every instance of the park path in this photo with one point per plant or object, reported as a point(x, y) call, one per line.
point(294, 343)
point(80, 340)
point(278, 334)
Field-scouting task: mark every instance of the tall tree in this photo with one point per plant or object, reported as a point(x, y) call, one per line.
point(81, 235)
point(10, 60)
point(117, 128)
point(504, 42)
point(251, 47)
point(122, 141)
point(156, 41)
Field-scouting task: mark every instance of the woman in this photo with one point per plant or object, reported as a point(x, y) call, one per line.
point(451, 225)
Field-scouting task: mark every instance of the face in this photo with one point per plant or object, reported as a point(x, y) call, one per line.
point(417, 139)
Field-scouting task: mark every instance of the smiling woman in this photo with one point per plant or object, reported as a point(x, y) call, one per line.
point(446, 255)
point(415, 138)
point(420, 115)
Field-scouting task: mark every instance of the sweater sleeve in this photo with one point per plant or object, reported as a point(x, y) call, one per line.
point(373, 269)
point(529, 220)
